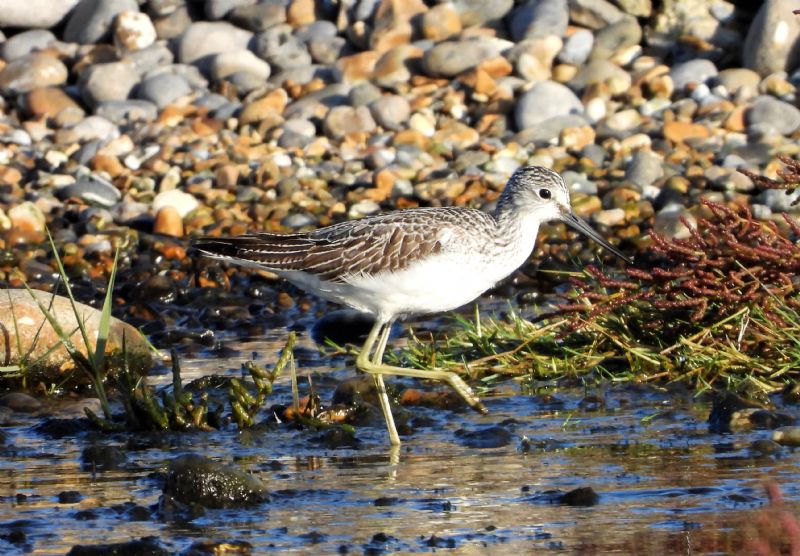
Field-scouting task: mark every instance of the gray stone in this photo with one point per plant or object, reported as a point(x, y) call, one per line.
point(363, 94)
point(544, 101)
point(449, 58)
point(32, 72)
point(281, 49)
point(157, 55)
point(615, 37)
point(204, 39)
point(91, 20)
point(246, 82)
point(298, 220)
point(594, 14)
point(769, 111)
point(479, 12)
point(258, 17)
point(306, 107)
point(326, 50)
point(644, 168)
point(300, 127)
point(342, 120)
point(228, 63)
point(694, 71)
point(321, 29)
point(162, 8)
point(126, 111)
point(93, 128)
point(772, 42)
point(669, 221)
point(163, 89)
point(173, 25)
point(391, 111)
point(188, 72)
point(103, 82)
point(602, 71)
point(27, 14)
point(577, 47)
point(539, 18)
point(218, 9)
point(778, 200)
point(90, 190)
point(25, 43)
point(547, 131)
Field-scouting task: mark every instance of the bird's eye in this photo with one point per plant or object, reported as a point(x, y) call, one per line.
point(544, 193)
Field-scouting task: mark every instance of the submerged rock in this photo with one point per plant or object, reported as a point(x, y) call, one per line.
point(193, 479)
point(146, 546)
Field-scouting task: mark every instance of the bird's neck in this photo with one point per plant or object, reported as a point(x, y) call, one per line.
point(516, 228)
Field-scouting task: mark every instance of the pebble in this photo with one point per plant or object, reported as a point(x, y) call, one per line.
point(203, 39)
point(91, 190)
point(343, 120)
point(693, 72)
point(228, 63)
point(133, 30)
point(441, 22)
point(644, 168)
point(25, 43)
point(767, 111)
point(168, 222)
point(91, 20)
point(616, 37)
point(450, 58)
point(282, 49)
point(107, 82)
point(602, 72)
point(390, 111)
point(543, 101)
point(125, 111)
point(770, 45)
point(577, 47)
point(163, 89)
point(258, 17)
point(93, 128)
point(30, 72)
point(787, 436)
point(182, 202)
point(668, 221)
point(42, 14)
point(539, 18)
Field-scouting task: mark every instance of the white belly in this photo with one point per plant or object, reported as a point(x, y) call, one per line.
point(440, 283)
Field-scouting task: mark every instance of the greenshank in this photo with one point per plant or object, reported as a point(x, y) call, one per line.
point(413, 261)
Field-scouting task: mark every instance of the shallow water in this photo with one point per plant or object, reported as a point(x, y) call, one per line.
point(461, 481)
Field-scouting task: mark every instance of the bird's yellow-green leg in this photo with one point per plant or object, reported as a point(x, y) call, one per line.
point(376, 368)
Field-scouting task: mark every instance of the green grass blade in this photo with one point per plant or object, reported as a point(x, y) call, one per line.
point(98, 358)
point(63, 274)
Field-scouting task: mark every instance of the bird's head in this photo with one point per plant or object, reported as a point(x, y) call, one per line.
point(541, 193)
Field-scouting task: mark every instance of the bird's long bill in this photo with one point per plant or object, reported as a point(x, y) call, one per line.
point(583, 227)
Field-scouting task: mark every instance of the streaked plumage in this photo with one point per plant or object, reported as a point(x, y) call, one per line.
point(411, 261)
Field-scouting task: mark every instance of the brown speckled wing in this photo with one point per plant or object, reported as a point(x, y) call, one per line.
point(387, 242)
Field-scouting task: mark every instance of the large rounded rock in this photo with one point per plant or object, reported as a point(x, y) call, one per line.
point(692, 72)
point(772, 41)
point(30, 341)
point(545, 100)
point(32, 72)
point(163, 89)
point(105, 82)
point(479, 12)
point(27, 14)
point(448, 59)
point(26, 43)
point(228, 63)
point(92, 19)
point(769, 112)
point(539, 18)
point(204, 39)
point(194, 479)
